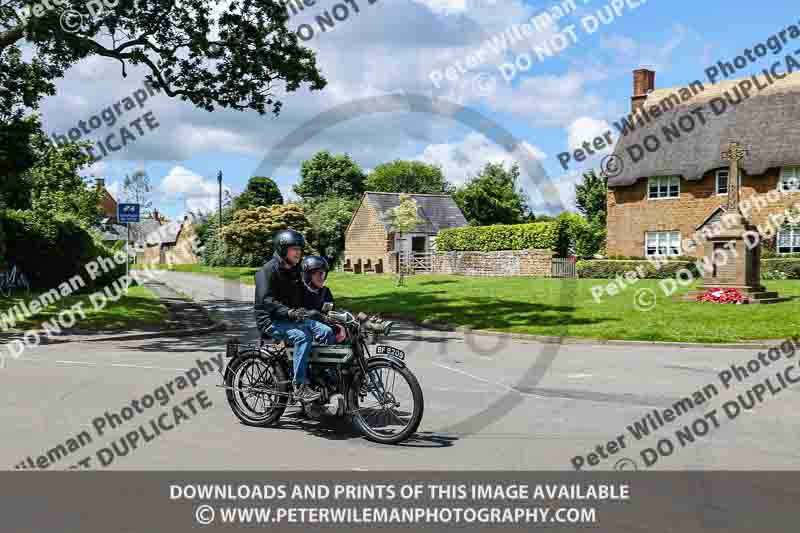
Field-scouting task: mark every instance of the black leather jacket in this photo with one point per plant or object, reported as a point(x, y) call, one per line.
point(277, 291)
point(315, 301)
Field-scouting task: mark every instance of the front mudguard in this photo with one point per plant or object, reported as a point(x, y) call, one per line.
point(387, 358)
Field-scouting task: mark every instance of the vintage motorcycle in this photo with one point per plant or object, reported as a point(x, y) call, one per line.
point(379, 394)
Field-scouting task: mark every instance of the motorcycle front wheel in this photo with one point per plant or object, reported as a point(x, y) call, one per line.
point(386, 404)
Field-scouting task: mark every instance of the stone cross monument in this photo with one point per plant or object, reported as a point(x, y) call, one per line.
point(731, 260)
point(735, 154)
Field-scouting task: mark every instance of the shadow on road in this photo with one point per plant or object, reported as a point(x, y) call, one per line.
point(336, 428)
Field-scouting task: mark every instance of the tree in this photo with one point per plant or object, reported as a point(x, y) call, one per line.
point(137, 189)
point(251, 231)
point(584, 238)
point(492, 197)
point(56, 187)
point(329, 219)
point(413, 177)
point(591, 198)
point(327, 175)
point(260, 192)
point(404, 218)
point(233, 57)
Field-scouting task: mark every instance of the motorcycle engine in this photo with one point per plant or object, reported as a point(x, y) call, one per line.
point(335, 406)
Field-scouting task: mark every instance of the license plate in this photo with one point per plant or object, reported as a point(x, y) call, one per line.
point(388, 350)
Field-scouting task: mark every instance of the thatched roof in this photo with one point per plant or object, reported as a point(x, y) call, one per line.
point(766, 124)
point(436, 211)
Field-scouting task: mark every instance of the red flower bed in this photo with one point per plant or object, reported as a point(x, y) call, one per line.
point(723, 296)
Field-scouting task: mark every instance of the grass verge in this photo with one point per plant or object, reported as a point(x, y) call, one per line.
point(554, 307)
point(138, 308)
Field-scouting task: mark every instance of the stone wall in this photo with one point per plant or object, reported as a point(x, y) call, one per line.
point(536, 263)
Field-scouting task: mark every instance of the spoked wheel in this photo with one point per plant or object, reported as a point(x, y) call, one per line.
point(24, 284)
point(386, 404)
point(259, 390)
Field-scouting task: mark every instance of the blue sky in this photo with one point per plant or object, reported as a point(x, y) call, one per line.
point(392, 47)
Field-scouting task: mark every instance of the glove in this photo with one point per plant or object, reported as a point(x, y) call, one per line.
point(316, 315)
point(298, 315)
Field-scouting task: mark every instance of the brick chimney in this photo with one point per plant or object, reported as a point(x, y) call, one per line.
point(644, 82)
point(100, 183)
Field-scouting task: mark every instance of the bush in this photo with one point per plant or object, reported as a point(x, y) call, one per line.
point(583, 238)
point(609, 269)
point(539, 235)
point(783, 268)
point(53, 250)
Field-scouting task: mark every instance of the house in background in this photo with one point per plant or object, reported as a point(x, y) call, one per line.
point(108, 204)
point(174, 243)
point(162, 241)
point(373, 245)
point(660, 201)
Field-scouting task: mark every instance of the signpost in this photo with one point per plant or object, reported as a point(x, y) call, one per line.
point(127, 213)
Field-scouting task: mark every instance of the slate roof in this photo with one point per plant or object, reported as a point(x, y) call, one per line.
point(766, 124)
point(165, 234)
point(113, 232)
point(437, 211)
point(139, 230)
point(197, 218)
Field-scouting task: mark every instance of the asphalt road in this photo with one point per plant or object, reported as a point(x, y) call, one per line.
point(484, 407)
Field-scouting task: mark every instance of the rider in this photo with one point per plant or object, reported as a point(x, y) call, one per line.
point(314, 270)
point(280, 312)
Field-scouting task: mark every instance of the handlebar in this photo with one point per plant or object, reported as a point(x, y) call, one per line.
point(370, 324)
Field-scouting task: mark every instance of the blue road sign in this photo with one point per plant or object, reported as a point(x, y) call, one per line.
point(127, 213)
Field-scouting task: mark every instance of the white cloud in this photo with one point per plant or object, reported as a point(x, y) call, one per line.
point(462, 160)
point(444, 6)
point(387, 47)
point(586, 129)
point(654, 56)
point(196, 192)
point(550, 100)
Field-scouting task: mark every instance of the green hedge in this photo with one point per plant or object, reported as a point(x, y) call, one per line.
point(608, 269)
point(52, 251)
point(540, 235)
point(783, 268)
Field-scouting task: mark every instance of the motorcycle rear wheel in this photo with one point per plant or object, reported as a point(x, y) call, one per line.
point(252, 407)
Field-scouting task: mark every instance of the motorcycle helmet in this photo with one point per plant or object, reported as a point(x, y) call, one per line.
point(311, 264)
point(285, 239)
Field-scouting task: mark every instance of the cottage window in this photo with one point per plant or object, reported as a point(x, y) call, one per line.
point(666, 243)
point(390, 242)
point(722, 182)
point(663, 187)
point(789, 240)
point(790, 179)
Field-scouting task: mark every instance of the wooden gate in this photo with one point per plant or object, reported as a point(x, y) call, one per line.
point(563, 267)
point(417, 262)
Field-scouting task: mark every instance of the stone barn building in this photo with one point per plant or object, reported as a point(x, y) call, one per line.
point(373, 245)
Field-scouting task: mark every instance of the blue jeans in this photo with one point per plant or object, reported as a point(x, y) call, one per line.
point(301, 335)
